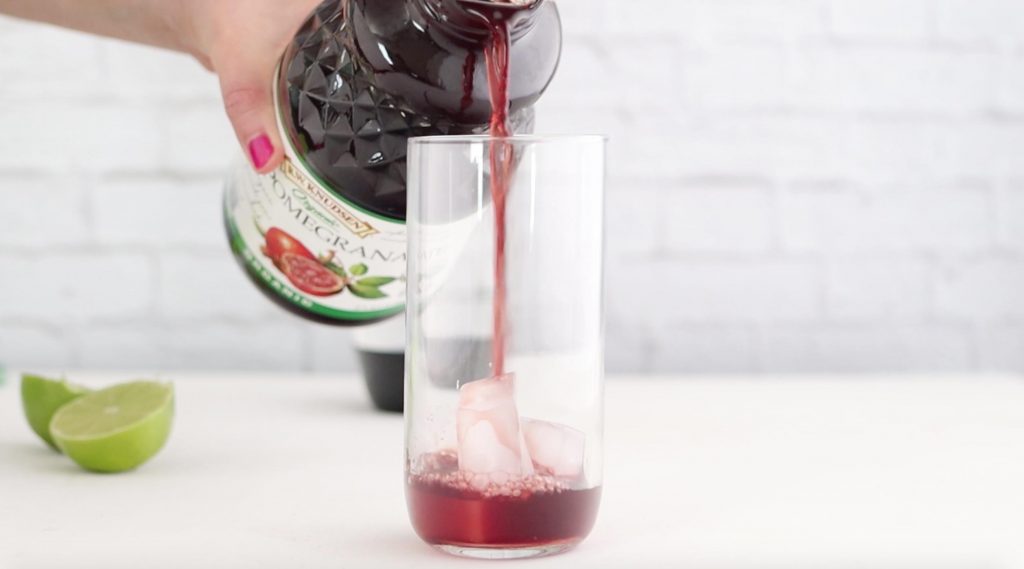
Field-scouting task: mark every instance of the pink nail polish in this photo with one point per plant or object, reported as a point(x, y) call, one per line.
point(260, 150)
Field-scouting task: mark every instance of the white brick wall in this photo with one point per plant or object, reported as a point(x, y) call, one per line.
point(795, 185)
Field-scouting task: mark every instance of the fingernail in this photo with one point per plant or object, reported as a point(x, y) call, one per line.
point(260, 150)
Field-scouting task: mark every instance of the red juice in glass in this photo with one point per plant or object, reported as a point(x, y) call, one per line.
point(538, 512)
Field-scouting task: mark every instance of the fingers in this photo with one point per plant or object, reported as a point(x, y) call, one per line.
point(245, 82)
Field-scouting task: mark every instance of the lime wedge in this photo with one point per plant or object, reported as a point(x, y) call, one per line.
point(115, 429)
point(42, 397)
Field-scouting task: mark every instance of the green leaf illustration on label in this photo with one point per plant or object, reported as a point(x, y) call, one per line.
point(375, 281)
point(358, 270)
point(366, 291)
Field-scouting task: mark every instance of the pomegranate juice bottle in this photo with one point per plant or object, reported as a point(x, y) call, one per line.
point(324, 235)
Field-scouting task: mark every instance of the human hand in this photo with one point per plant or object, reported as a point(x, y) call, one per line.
point(242, 41)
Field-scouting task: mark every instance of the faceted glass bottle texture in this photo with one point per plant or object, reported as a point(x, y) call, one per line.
point(359, 79)
point(362, 77)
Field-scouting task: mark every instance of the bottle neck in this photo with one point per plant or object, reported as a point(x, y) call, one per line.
point(472, 20)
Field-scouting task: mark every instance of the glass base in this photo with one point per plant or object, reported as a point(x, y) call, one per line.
point(506, 552)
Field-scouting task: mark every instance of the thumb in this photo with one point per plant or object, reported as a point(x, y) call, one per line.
point(245, 83)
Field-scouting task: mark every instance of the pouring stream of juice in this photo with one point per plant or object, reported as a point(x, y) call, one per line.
point(501, 159)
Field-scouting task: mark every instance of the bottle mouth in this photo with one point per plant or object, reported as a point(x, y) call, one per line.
point(500, 9)
point(501, 5)
point(473, 18)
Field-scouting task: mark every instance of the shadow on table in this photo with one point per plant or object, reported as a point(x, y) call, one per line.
point(334, 407)
point(35, 456)
point(400, 543)
point(849, 564)
point(387, 546)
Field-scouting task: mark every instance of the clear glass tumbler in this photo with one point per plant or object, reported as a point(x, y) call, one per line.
point(504, 361)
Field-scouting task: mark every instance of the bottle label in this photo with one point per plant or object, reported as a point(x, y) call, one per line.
point(304, 243)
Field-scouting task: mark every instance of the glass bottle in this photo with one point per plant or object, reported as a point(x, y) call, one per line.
point(324, 235)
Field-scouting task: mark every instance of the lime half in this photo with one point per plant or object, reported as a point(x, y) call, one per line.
point(42, 397)
point(115, 429)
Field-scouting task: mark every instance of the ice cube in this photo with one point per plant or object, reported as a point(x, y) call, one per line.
point(481, 450)
point(487, 422)
point(554, 447)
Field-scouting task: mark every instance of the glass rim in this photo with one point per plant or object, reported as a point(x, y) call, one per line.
point(514, 139)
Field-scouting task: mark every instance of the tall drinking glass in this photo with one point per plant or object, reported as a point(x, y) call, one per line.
point(504, 362)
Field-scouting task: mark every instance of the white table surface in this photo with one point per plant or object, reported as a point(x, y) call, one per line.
point(293, 472)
